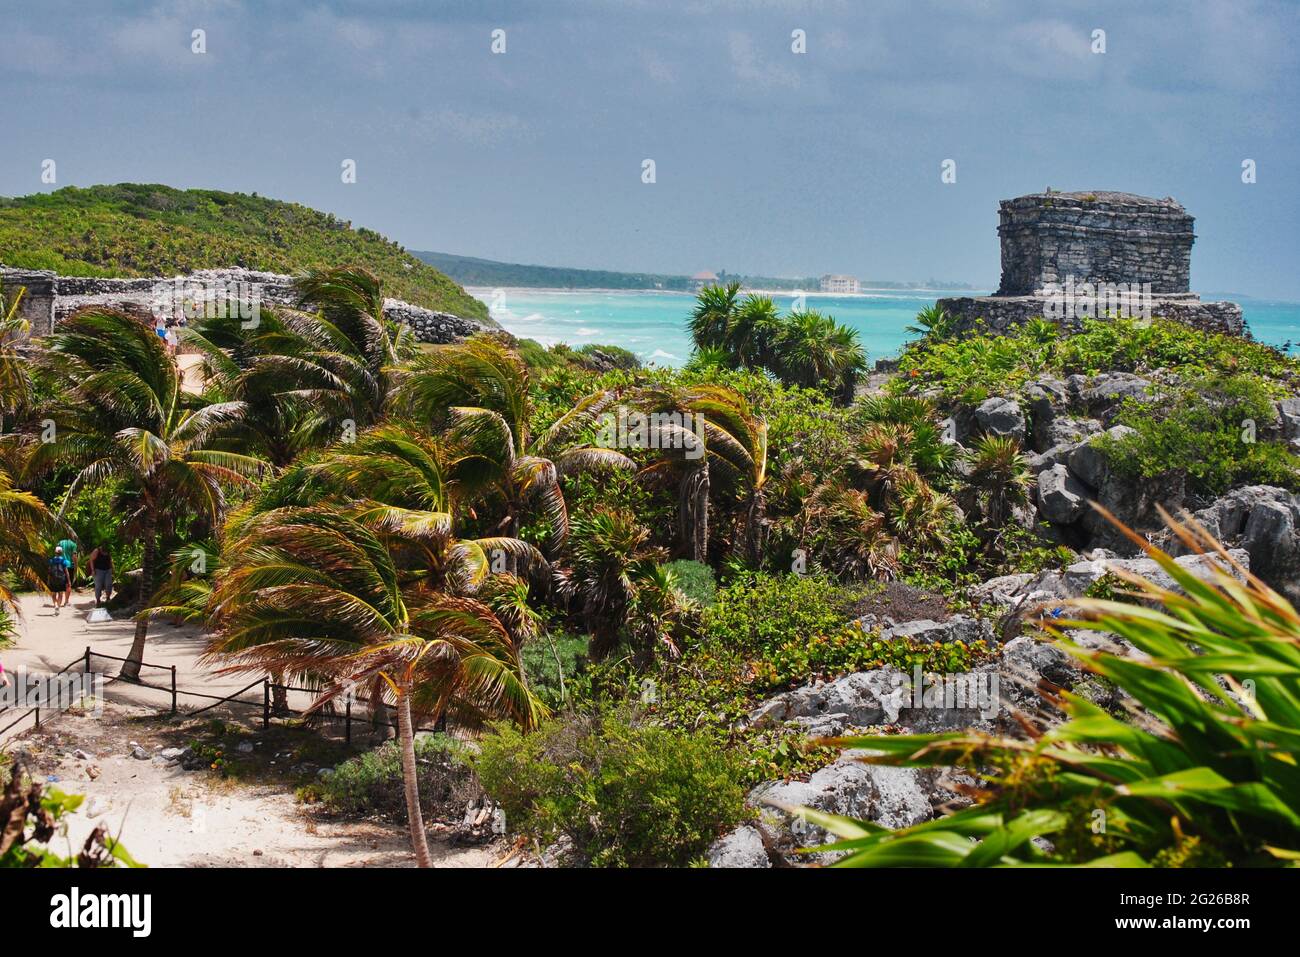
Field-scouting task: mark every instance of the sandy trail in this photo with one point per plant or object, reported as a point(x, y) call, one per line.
point(166, 816)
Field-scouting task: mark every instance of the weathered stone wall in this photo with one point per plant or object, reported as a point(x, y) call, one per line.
point(1080, 242)
point(999, 313)
point(50, 298)
point(1094, 237)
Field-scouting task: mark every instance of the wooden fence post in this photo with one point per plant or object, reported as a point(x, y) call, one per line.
point(173, 689)
point(87, 659)
point(347, 722)
point(266, 703)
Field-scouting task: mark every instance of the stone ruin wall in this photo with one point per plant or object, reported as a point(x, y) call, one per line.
point(50, 299)
point(1110, 238)
point(1049, 239)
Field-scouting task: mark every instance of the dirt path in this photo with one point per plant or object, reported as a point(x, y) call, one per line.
point(166, 816)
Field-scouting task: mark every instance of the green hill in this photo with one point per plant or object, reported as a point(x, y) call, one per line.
point(134, 229)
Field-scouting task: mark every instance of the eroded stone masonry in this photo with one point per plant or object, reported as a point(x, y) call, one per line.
point(1074, 256)
point(51, 298)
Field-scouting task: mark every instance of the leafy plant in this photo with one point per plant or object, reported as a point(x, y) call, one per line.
point(1203, 771)
point(622, 794)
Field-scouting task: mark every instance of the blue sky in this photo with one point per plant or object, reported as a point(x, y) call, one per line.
point(767, 161)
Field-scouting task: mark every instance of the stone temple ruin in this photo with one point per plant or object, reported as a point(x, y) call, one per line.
point(1074, 256)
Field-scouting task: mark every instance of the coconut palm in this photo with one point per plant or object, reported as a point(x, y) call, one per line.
point(401, 481)
point(24, 521)
point(261, 366)
point(477, 394)
point(15, 377)
point(718, 432)
point(321, 595)
point(714, 313)
point(125, 419)
point(343, 358)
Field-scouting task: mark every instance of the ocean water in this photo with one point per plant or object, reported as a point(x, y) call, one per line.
point(653, 324)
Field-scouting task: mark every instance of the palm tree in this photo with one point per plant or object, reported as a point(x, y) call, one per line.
point(320, 595)
point(15, 377)
point(734, 440)
point(341, 360)
point(477, 393)
point(24, 520)
point(126, 419)
point(932, 321)
point(261, 367)
point(610, 561)
point(753, 332)
point(714, 313)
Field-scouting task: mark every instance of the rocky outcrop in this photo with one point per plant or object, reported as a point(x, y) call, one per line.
point(1001, 417)
point(1262, 521)
point(1054, 586)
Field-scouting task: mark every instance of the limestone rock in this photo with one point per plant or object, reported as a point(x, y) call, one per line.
point(1062, 498)
point(1002, 417)
point(743, 847)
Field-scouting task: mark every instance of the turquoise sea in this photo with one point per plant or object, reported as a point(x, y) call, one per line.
point(653, 324)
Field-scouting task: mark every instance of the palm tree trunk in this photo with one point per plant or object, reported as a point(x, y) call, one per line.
point(756, 526)
point(693, 510)
point(131, 667)
point(414, 815)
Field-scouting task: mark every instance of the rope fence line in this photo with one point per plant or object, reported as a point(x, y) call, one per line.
point(268, 708)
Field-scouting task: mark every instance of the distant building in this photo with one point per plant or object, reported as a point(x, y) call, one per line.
point(702, 279)
point(840, 284)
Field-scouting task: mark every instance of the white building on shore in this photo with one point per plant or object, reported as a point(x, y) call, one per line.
point(840, 284)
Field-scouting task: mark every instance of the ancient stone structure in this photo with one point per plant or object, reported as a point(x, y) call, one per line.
point(1074, 256)
point(50, 298)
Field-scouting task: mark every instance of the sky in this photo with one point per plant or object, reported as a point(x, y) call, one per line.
point(767, 161)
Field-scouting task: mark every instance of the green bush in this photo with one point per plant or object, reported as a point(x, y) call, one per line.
point(761, 611)
point(972, 368)
point(695, 580)
point(625, 794)
point(1201, 428)
point(371, 783)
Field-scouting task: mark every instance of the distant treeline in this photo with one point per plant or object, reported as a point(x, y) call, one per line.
point(470, 271)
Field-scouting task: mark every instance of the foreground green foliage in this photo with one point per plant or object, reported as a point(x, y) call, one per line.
point(33, 817)
point(1204, 773)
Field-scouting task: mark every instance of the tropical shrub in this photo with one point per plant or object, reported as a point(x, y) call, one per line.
point(696, 581)
point(371, 783)
point(1207, 428)
point(761, 611)
point(1203, 773)
point(624, 794)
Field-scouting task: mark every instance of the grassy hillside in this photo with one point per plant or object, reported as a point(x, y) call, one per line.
point(146, 230)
